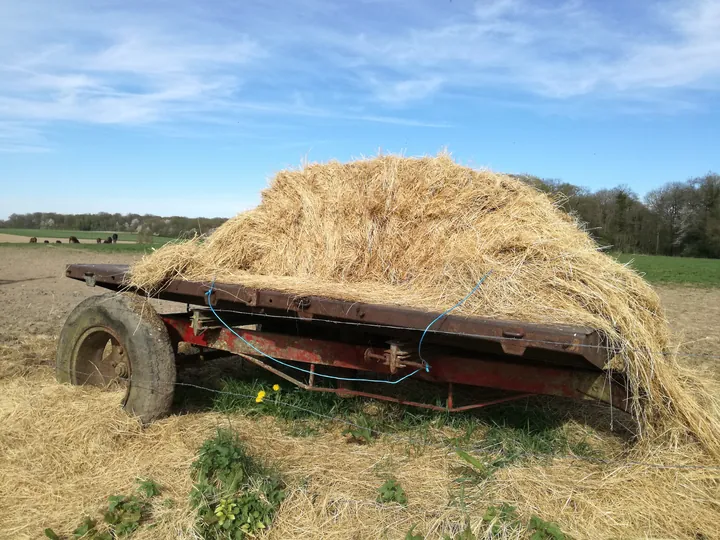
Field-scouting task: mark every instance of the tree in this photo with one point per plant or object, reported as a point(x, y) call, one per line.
point(699, 234)
point(669, 204)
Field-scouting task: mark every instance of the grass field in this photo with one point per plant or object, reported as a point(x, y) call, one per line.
point(685, 270)
point(59, 233)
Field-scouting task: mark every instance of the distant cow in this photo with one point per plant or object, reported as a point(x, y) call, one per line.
point(73, 240)
point(108, 240)
point(33, 240)
point(58, 241)
point(114, 238)
point(99, 240)
point(46, 242)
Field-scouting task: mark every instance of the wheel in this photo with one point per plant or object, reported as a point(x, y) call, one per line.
point(115, 340)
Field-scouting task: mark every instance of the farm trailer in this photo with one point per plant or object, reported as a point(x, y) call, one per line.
point(322, 345)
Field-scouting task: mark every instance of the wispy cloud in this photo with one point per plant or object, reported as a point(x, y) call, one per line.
point(566, 50)
point(137, 63)
point(404, 91)
point(21, 138)
point(132, 78)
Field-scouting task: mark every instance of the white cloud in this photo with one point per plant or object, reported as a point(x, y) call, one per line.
point(491, 9)
point(139, 63)
point(690, 56)
point(406, 91)
point(21, 138)
point(567, 50)
point(111, 66)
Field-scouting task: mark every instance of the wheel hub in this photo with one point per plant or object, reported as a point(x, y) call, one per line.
point(117, 361)
point(100, 359)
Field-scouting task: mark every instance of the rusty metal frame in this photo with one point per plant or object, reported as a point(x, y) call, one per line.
point(492, 372)
point(514, 337)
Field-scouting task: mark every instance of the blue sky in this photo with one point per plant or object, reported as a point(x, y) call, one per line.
point(187, 107)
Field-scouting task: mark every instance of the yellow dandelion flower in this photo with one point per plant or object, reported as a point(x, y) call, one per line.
point(260, 396)
point(276, 387)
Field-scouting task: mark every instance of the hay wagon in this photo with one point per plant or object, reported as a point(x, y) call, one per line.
point(322, 345)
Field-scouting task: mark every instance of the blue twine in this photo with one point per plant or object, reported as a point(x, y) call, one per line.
point(350, 379)
point(290, 365)
point(445, 313)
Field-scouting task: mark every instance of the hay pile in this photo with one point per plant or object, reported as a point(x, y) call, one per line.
point(421, 233)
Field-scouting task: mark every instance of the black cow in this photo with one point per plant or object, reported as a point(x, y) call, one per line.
point(73, 240)
point(99, 240)
point(46, 242)
point(114, 238)
point(58, 241)
point(33, 240)
point(108, 240)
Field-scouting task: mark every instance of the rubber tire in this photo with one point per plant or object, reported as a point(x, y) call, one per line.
point(142, 334)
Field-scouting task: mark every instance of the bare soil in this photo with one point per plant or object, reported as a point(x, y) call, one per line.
point(35, 295)
point(694, 315)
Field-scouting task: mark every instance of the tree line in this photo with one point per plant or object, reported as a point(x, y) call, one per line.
point(143, 225)
point(678, 219)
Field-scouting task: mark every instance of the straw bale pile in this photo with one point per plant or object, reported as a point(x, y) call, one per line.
point(421, 232)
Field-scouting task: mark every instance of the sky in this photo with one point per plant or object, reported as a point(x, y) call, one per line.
point(188, 108)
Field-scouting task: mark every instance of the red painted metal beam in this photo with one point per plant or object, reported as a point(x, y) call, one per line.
point(491, 372)
point(343, 391)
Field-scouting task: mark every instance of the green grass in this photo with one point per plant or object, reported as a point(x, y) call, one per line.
point(506, 431)
point(88, 235)
point(681, 270)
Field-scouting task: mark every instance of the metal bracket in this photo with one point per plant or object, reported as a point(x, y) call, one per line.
point(396, 357)
point(90, 279)
point(510, 347)
point(199, 322)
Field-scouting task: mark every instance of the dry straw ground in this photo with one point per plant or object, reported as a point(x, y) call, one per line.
point(421, 232)
point(64, 449)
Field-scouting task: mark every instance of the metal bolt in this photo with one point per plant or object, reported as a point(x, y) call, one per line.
point(121, 369)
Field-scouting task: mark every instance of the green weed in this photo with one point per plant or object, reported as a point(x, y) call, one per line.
point(123, 516)
point(361, 430)
point(411, 535)
point(224, 461)
point(501, 518)
point(148, 488)
point(87, 530)
point(391, 491)
point(544, 530)
point(125, 513)
point(465, 534)
point(478, 470)
point(234, 494)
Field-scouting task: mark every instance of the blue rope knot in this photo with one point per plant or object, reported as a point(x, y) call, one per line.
point(444, 314)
